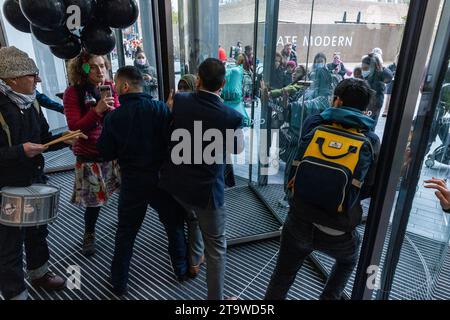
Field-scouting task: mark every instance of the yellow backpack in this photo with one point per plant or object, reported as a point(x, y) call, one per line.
point(333, 168)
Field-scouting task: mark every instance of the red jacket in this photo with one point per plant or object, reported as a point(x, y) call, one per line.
point(85, 119)
point(222, 55)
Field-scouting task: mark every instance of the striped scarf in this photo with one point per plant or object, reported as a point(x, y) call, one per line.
point(23, 101)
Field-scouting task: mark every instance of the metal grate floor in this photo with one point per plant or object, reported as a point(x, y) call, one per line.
point(60, 160)
point(417, 260)
point(151, 275)
point(249, 266)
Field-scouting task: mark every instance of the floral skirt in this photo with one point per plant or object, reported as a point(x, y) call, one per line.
point(95, 182)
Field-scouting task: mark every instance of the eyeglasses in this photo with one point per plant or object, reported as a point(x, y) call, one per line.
point(35, 75)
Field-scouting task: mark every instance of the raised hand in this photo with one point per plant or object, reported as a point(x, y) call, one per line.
point(442, 193)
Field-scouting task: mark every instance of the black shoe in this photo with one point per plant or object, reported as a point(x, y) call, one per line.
point(120, 292)
point(89, 244)
point(183, 277)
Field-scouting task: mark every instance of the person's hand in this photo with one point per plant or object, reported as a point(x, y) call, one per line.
point(71, 142)
point(285, 99)
point(442, 193)
point(170, 100)
point(147, 77)
point(104, 105)
point(337, 69)
point(32, 149)
point(263, 85)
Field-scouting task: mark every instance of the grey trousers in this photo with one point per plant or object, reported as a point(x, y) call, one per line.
point(206, 235)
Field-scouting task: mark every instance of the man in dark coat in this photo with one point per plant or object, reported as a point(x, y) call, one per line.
point(23, 132)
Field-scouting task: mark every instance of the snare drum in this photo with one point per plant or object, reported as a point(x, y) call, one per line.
point(30, 206)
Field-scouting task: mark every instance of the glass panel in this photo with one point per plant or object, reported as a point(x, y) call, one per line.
point(179, 20)
point(345, 37)
point(236, 50)
point(342, 35)
point(139, 48)
point(195, 40)
point(425, 246)
point(318, 45)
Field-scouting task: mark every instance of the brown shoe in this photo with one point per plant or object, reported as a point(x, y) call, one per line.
point(50, 282)
point(195, 270)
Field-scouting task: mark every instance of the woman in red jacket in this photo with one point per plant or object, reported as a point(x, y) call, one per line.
point(85, 108)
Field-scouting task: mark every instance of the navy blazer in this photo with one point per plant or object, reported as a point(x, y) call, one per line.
point(196, 182)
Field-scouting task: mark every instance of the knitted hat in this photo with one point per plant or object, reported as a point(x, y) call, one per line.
point(15, 63)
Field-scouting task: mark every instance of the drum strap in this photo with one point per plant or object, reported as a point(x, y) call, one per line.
point(5, 128)
point(37, 106)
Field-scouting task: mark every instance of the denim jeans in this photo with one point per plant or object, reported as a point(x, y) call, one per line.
point(133, 202)
point(206, 232)
point(12, 239)
point(298, 240)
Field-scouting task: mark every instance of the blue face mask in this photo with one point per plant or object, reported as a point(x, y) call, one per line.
point(366, 74)
point(319, 65)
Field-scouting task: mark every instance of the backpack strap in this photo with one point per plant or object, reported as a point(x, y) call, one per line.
point(321, 141)
point(5, 128)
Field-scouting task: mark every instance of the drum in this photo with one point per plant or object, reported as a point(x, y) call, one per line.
point(30, 206)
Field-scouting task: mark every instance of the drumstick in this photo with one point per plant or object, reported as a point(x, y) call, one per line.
point(66, 137)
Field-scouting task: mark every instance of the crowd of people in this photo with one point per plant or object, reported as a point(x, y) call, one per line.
point(127, 146)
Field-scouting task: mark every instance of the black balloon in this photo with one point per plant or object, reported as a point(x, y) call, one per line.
point(118, 13)
point(15, 17)
point(98, 39)
point(87, 8)
point(69, 50)
point(52, 38)
point(45, 14)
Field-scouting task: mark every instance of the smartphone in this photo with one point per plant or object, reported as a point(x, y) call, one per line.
point(105, 91)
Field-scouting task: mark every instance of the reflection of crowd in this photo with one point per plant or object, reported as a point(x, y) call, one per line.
point(131, 46)
point(323, 76)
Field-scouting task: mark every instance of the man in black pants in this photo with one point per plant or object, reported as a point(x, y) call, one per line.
point(309, 227)
point(137, 135)
point(23, 132)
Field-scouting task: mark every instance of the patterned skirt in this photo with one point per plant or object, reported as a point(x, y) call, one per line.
point(95, 182)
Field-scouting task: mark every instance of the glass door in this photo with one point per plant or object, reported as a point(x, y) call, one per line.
point(418, 247)
point(224, 30)
point(135, 45)
point(309, 47)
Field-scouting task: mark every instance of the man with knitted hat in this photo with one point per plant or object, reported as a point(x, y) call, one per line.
point(23, 132)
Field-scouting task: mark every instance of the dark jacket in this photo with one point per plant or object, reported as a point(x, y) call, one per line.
point(342, 72)
point(346, 221)
point(280, 78)
point(47, 103)
point(137, 135)
point(150, 86)
point(17, 170)
point(377, 82)
point(196, 182)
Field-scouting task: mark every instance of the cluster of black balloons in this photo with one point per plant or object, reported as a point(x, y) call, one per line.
point(48, 21)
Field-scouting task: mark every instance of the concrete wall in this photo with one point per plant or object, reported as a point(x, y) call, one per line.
point(352, 40)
